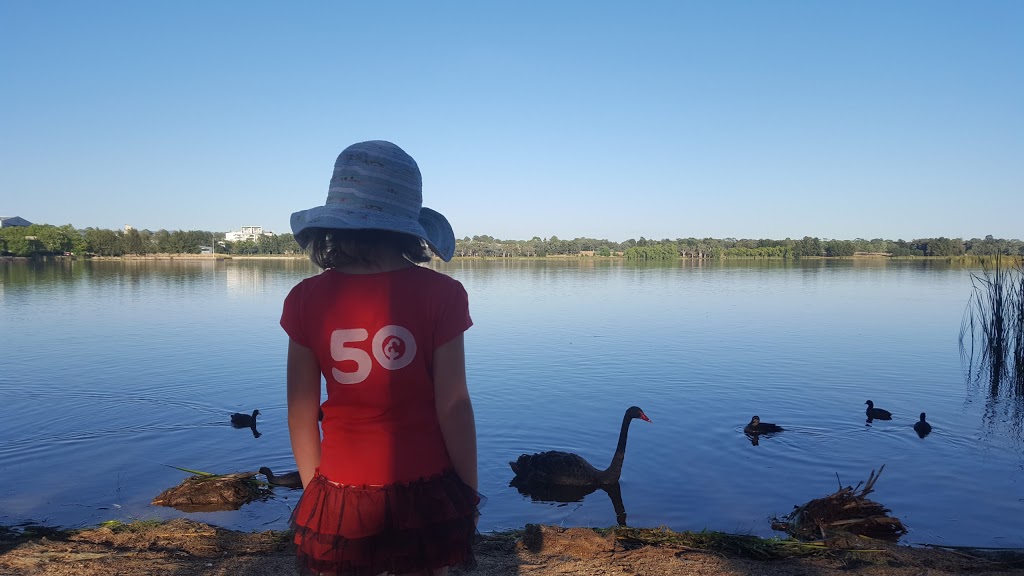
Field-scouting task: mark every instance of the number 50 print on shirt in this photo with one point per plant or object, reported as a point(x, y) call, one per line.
point(393, 347)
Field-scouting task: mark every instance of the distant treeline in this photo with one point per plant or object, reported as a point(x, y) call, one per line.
point(44, 239)
point(699, 248)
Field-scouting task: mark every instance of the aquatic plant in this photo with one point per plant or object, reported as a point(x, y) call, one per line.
point(992, 329)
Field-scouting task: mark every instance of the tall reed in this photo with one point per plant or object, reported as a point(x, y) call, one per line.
point(992, 329)
point(1017, 328)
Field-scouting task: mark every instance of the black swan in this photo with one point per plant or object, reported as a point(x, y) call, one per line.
point(758, 427)
point(288, 479)
point(567, 469)
point(244, 420)
point(877, 413)
point(921, 427)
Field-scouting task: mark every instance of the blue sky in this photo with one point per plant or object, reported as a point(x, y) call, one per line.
point(571, 118)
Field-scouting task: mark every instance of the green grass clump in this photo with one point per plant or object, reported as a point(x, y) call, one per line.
point(136, 526)
point(743, 545)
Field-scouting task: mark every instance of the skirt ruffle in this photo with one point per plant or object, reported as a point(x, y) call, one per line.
point(398, 528)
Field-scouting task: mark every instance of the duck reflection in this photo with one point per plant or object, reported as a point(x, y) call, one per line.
point(556, 493)
point(755, 439)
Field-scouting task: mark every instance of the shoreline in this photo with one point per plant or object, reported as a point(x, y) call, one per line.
point(182, 546)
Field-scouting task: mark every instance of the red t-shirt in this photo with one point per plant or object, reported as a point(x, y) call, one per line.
point(375, 336)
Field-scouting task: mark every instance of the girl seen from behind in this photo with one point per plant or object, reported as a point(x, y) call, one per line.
point(392, 485)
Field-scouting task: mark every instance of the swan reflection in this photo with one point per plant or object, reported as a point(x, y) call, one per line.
point(554, 493)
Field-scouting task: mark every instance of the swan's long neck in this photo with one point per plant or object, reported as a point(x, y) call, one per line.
point(614, 470)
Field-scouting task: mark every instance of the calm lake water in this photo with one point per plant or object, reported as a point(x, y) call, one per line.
point(113, 371)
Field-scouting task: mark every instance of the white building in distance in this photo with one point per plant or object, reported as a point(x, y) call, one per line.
point(246, 233)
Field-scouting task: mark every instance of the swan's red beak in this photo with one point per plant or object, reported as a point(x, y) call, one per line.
point(644, 417)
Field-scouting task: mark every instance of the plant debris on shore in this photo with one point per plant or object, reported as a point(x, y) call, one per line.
point(844, 511)
point(206, 492)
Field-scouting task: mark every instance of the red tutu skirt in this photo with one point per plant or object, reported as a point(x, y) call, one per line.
point(398, 528)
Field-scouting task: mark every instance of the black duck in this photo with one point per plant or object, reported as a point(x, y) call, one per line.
point(877, 413)
point(758, 427)
point(567, 469)
point(239, 420)
point(288, 479)
point(921, 427)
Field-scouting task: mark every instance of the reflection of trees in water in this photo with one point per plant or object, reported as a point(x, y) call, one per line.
point(21, 273)
point(992, 331)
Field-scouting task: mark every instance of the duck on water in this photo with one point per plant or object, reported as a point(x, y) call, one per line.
point(568, 469)
point(877, 413)
point(758, 427)
point(921, 427)
point(239, 420)
point(288, 479)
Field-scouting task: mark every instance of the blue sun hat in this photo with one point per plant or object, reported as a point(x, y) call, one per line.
point(377, 186)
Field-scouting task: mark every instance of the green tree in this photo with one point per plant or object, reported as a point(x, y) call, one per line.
point(133, 243)
point(162, 241)
point(103, 242)
point(808, 246)
point(16, 241)
point(942, 246)
point(839, 248)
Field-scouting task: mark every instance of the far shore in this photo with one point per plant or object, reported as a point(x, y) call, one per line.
point(560, 257)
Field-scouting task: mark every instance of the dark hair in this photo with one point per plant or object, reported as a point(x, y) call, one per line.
point(331, 248)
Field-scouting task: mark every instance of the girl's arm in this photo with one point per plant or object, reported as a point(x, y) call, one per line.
point(304, 408)
point(454, 408)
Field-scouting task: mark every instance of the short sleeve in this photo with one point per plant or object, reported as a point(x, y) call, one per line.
point(454, 316)
point(291, 316)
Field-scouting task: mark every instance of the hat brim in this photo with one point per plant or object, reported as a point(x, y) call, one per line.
point(431, 227)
